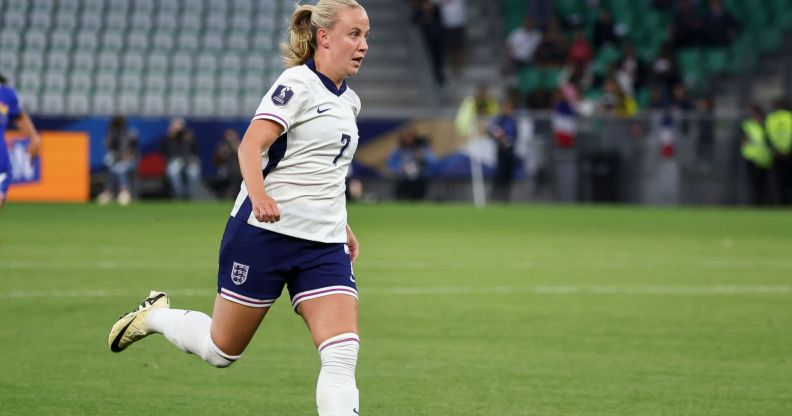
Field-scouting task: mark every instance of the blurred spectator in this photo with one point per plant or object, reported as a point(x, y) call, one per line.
point(720, 27)
point(554, 46)
point(121, 161)
point(578, 75)
point(427, 15)
point(604, 30)
point(657, 98)
point(225, 183)
point(687, 26)
point(454, 18)
point(486, 106)
point(522, 43)
point(503, 129)
point(758, 158)
point(614, 101)
point(665, 69)
point(411, 162)
point(631, 70)
point(680, 100)
point(705, 114)
point(184, 166)
point(580, 51)
point(779, 133)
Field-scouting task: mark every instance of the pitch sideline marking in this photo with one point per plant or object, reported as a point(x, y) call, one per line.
point(452, 290)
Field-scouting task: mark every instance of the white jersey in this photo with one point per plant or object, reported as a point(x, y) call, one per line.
point(305, 169)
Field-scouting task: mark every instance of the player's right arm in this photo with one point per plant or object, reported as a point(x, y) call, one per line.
point(260, 135)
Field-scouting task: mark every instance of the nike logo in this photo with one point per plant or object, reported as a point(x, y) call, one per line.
point(320, 111)
point(114, 346)
point(356, 412)
point(352, 278)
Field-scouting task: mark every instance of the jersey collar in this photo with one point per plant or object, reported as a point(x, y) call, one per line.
point(329, 84)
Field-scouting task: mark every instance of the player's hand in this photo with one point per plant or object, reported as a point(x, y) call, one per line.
point(33, 148)
point(354, 245)
point(265, 209)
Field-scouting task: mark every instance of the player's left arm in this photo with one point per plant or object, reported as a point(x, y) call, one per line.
point(25, 124)
point(354, 245)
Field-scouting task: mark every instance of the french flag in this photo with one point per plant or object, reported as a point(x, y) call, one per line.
point(564, 123)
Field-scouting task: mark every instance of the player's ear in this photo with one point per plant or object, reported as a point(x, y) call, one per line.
point(322, 38)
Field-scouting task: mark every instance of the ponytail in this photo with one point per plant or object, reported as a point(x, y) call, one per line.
point(302, 43)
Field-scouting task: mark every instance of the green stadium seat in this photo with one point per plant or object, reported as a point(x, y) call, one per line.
point(550, 79)
point(769, 39)
point(529, 80)
point(715, 60)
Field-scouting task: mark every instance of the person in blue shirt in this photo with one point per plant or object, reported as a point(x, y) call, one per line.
point(503, 129)
point(411, 162)
point(11, 111)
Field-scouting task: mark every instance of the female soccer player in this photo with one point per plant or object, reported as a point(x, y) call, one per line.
point(288, 225)
point(11, 110)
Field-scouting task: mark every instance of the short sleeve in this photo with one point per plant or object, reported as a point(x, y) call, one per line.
point(14, 107)
point(284, 101)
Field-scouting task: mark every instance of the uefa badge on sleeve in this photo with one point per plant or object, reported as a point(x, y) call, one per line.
point(282, 95)
point(239, 273)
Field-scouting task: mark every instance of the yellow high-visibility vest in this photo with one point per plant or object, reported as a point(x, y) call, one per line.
point(755, 148)
point(779, 130)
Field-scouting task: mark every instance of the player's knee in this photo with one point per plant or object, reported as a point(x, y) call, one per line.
point(216, 357)
point(340, 351)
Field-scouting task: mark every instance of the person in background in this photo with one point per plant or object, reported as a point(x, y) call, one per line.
point(486, 106)
point(757, 154)
point(184, 165)
point(427, 15)
point(121, 161)
point(11, 110)
point(778, 126)
point(503, 129)
point(580, 50)
point(522, 43)
point(453, 14)
point(719, 25)
point(411, 162)
point(225, 183)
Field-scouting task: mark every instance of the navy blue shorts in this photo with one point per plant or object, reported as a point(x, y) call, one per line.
point(5, 171)
point(256, 263)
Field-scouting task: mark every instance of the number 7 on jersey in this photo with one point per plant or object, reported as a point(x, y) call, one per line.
point(345, 139)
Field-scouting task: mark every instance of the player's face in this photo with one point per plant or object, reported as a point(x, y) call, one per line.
point(348, 41)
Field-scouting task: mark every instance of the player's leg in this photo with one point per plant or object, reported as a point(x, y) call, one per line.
point(332, 321)
point(219, 340)
point(325, 294)
point(247, 287)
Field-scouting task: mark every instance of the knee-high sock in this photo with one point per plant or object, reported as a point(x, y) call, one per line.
point(336, 390)
point(189, 332)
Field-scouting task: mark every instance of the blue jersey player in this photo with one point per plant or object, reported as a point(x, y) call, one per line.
point(11, 110)
point(288, 226)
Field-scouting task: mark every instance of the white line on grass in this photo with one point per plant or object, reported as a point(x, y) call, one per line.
point(451, 290)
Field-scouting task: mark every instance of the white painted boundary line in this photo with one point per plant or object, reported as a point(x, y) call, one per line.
point(451, 290)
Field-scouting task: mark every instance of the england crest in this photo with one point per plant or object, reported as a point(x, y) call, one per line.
point(239, 273)
point(282, 95)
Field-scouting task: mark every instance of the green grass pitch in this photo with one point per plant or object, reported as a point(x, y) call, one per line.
point(509, 310)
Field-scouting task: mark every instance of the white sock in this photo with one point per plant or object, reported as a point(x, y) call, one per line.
point(189, 332)
point(336, 391)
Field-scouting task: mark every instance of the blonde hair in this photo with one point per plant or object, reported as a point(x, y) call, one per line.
point(302, 31)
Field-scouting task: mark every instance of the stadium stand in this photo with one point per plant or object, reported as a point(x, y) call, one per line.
point(140, 57)
point(759, 29)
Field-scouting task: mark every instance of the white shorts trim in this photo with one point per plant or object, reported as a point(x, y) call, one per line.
point(245, 300)
point(323, 291)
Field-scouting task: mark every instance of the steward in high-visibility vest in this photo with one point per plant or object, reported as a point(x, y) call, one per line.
point(758, 155)
point(779, 134)
point(754, 148)
point(779, 129)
